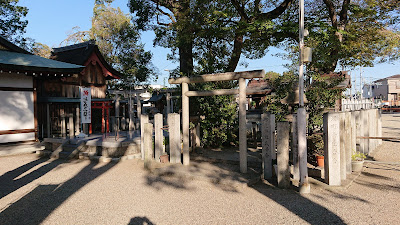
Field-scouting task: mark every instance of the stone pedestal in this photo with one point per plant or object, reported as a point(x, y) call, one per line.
point(332, 148)
point(283, 174)
point(268, 143)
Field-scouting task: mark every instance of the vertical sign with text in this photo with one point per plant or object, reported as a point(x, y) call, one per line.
point(86, 109)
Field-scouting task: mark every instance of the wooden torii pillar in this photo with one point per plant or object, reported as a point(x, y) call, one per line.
point(241, 76)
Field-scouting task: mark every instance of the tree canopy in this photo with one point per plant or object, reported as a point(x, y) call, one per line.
point(119, 42)
point(12, 24)
point(208, 36)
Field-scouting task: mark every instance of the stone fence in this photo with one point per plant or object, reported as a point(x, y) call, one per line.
point(346, 133)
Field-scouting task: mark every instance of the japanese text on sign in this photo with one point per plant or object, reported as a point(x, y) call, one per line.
point(86, 112)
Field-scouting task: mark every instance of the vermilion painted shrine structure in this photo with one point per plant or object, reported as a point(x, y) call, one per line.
point(58, 96)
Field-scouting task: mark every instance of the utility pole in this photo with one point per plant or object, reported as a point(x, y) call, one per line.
point(304, 186)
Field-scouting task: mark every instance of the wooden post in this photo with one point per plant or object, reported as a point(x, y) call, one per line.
point(63, 126)
point(48, 120)
point(168, 99)
point(185, 124)
point(242, 126)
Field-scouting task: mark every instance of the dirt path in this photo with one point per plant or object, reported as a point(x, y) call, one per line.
point(40, 191)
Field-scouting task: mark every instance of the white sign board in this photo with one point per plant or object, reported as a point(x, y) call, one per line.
point(86, 103)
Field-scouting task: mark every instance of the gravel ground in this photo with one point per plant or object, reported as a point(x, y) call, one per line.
point(42, 191)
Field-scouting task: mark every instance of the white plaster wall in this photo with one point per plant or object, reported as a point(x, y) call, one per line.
point(15, 80)
point(16, 107)
point(16, 110)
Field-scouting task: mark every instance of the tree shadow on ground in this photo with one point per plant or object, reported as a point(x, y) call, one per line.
point(10, 181)
point(225, 175)
point(304, 208)
point(39, 203)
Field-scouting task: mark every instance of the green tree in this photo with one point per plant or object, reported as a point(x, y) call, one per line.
point(349, 33)
point(211, 34)
point(119, 42)
point(40, 49)
point(12, 24)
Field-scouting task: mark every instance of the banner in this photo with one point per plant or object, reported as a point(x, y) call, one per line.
point(86, 103)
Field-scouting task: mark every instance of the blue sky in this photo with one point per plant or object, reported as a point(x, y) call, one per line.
point(50, 22)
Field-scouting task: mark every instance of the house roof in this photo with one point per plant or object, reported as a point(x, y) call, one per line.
point(14, 58)
point(82, 54)
point(259, 86)
point(8, 46)
point(394, 77)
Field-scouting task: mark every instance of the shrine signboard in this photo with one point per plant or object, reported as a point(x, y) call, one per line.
point(86, 109)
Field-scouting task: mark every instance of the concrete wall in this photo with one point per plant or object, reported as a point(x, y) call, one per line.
point(16, 107)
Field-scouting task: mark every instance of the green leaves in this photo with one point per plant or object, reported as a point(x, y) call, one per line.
point(12, 25)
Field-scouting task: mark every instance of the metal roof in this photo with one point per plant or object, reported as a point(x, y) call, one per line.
point(21, 61)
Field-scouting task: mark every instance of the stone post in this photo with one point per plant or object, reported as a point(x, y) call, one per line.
point(242, 126)
point(353, 132)
point(148, 144)
point(331, 125)
point(343, 165)
point(174, 137)
point(372, 129)
point(357, 118)
point(365, 118)
point(268, 142)
point(197, 135)
point(143, 119)
point(71, 125)
point(131, 115)
point(302, 147)
point(159, 137)
point(348, 138)
point(138, 110)
point(361, 131)
point(185, 124)
point(283, 174)
point(379, 125)
point(295, 150)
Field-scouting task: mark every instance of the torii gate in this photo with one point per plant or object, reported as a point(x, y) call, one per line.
point(241, 76)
